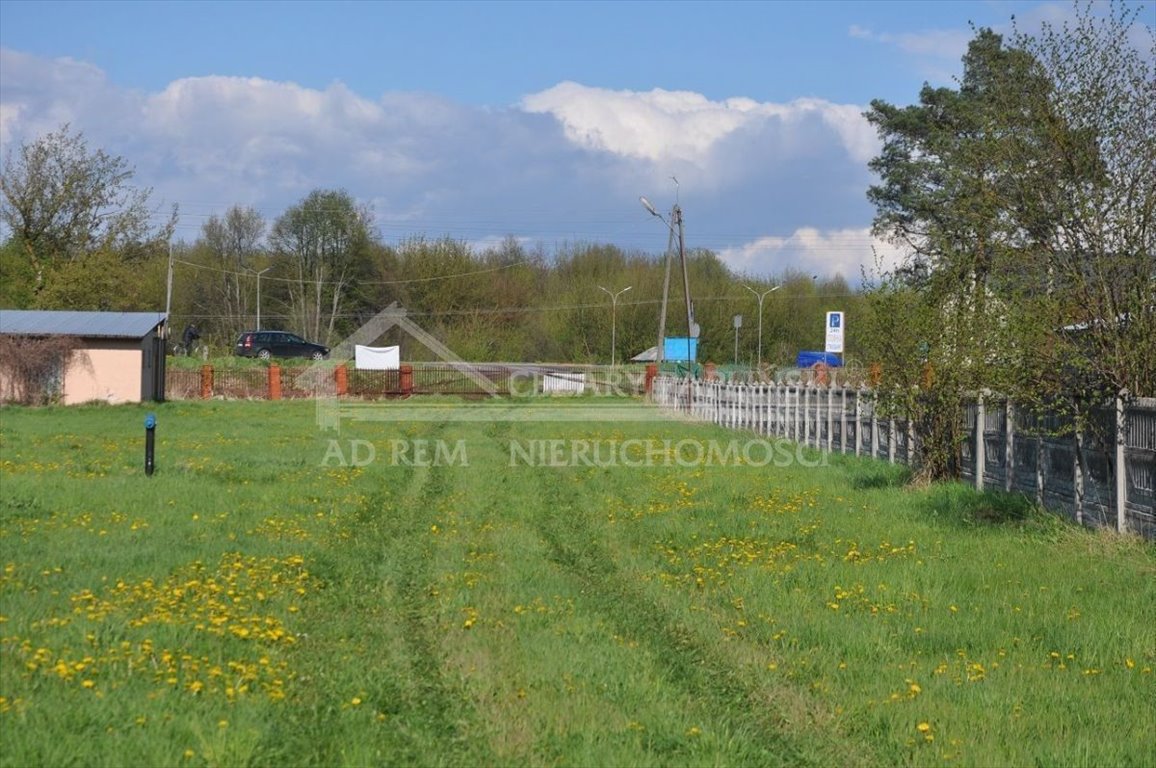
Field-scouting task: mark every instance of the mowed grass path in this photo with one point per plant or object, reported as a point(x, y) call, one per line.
point(257, 603)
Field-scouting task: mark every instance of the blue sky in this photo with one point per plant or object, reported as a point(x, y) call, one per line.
point(544, 121)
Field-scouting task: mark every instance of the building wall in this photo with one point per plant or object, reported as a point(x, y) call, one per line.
point(110, 372)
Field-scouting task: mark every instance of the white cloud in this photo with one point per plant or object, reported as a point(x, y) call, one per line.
point(934, 43)
point(566, 165)
point(672, 127)
point(846, 252)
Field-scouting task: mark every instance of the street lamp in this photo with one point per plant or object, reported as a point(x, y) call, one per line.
point(263, 271)
point(614, 319)
point(761, 296)
point(692, 327)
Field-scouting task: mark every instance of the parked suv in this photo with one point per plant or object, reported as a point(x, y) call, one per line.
point(267, 344)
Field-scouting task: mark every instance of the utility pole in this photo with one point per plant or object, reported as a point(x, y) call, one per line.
point(738, 324)
point(263, 271)
point(660, 348)
point(692, 328)
point(169, 290)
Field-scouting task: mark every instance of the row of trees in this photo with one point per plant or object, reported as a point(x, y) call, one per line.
point(1027, 198)
point(507, 302)
point(82, 237)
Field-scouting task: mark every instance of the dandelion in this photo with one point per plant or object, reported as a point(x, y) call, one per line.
point(355, 701)
point(694, 731)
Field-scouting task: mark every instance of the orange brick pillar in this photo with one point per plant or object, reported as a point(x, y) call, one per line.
point(206, 382)
point(407, 379)
point(341, 379)
point(651, 372)
point(274, 382)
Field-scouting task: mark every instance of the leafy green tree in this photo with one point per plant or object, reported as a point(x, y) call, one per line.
point(320, 246)
point(1025, 198)
point(1097, 254)
point(232, 249)
point(64, 202)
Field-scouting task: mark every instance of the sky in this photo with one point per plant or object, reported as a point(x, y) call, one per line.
point(544, 121)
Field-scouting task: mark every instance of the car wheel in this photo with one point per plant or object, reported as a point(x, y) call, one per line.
point(317, 355)
point(264, 354)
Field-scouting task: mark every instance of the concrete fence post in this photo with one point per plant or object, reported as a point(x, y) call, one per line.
point(910, 442)
point(830, 415)
point(843, 423)
point(1009, 460)
point(1121, 464)
point(874, 425)
point(980, 456)
point(1078, 475)
point(858, 421)
point(891, 439)
point(807, 416)
point(1041, 458)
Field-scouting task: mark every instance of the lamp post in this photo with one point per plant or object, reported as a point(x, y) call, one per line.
point(691, 327)
point(263, 271)
point(614, 320)
point(676, 220)
point(761, 296)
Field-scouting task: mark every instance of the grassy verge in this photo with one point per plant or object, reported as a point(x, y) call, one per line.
point(273, 597)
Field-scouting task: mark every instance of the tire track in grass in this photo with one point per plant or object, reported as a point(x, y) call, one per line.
point(441, 707)
point(685, 661)
point(386, 574)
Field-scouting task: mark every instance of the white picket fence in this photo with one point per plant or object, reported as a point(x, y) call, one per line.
point(1074, 475)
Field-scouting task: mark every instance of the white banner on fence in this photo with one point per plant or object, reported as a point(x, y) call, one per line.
point(564, 382)
point(376, 358)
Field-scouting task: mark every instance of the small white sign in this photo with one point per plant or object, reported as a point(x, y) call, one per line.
point(376, 358)
point(554, 382)
point(835, 326)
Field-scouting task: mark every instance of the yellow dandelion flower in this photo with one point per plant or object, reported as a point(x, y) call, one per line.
point(355, 701)
point(923, 727)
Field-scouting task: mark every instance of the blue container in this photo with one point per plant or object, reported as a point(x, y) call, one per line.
point(808, 359)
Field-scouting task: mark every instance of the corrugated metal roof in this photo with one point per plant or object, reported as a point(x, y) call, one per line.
point(115, 325)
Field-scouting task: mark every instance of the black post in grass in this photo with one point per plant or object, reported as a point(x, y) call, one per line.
point(150, 442)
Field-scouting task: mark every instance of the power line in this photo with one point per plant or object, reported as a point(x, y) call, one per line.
point(529, 310)
point(359, 282)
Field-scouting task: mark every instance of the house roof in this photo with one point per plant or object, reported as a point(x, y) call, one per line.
point(113, 325)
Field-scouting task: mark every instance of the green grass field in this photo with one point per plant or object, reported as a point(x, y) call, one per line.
point(257, 603)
